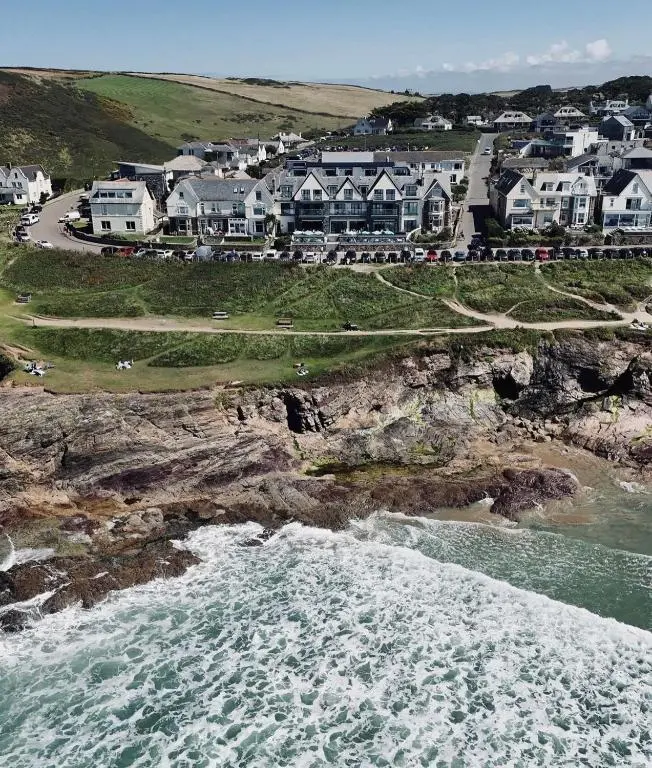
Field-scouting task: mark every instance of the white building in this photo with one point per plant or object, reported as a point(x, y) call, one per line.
point(475, 120)
point(627, 201)
point(512, 120)
point(608, 107)
point(567, 199)
point(433, 123)
point(26, 184)
point(208, 205)
point(125, 207)
point(569, 113)
point(373, 126)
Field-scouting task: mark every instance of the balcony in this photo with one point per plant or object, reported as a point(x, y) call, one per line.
point(310, 209)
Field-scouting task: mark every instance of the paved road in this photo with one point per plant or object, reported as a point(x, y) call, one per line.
point(49, 229)
point(476, 205)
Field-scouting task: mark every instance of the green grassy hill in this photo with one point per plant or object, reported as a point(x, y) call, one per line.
point(174, 112)
point(74, 134)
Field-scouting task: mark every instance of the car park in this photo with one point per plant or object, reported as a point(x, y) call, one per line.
point(45, 244)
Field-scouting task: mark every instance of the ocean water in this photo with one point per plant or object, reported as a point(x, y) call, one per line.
point(399, 642)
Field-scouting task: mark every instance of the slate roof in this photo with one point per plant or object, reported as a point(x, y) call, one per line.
point(618, 182)
point(185, 163)
point(29, 170)
point(508, 180)
point(138, 189)
point(638, 153)
point(525, 162)
point(212, 188)
point(433, 156)
point(575, 162)
point(620, 119)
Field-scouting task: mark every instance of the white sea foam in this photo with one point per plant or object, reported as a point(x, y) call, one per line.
point(324, 649)
point(632, 487)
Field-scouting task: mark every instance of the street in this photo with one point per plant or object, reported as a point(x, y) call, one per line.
point(49, 229)
point(476, 205)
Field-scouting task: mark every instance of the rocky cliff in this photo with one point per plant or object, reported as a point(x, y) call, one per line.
point(107, 480)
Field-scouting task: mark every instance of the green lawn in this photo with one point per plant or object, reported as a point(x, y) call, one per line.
point(455, 140)
point(623, 283)
point(66, 284)
point(173, 113)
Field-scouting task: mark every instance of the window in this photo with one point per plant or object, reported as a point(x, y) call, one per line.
point(305, 195)
point(106, 226)
point(633, 204)
point(111, 195)
point(410, 224)
point(522, 188)
point(348, 194)
point(316, 194)
point(521, 203)
point(286, 190)
point(259, 195)
point(180, 195)
point(332, 190)
point(581, 203)
point(106, 194)
point(370, 172)
point(565, 202)
point(242, 190)
point(546, 186)
point(259, 210)
point(259, 228)
point(378, 194)
point(364, 189)
point(128, 195)
point(453, 178)
point(551, 202)
point(411, 190)
point(390, 194)
point(348, 171)
point(130, 226)
point(635, 188)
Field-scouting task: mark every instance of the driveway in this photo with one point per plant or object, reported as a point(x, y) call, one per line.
point(476, 205)
point(49, 229)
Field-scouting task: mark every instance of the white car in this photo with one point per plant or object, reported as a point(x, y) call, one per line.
point(23, 237)
point(44, 244)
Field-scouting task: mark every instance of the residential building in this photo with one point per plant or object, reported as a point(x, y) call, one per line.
point(122, 206)
point(185, 165)
point(433, 123)
point(434, 161)
point(347, 192)
point(638, 116)
point(545, 122)
point(608, 107)
point(476, 120)
point(373, 126)
point(569, 113)
point(627, 201)
point(512, 120)
point(567, 199)
point(234, 154)
point(24, 184)
point(209, 205)
point(157, 177)
point(288, 140)
point(563, 143)
point(617, 128)
point(637, 159)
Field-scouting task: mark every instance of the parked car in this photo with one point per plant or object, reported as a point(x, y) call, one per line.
point(582, 253)
point(69, 216)
point(220, 315)
point(460, 256)
point(446, 255)
point(365, 258)
point(568, 252)
point(610, 253)
point(474, 255)
point(432, 256)
point(419, 255)
point(512, 253)
point(46, 244)
point(596, 253)
point(350, 326)
point(109, 250)
point(29, 218)
point(500, 254)
point(23, 237)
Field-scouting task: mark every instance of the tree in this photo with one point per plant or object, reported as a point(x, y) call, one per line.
point(43, 198)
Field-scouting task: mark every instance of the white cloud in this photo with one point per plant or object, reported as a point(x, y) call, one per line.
point(599, 50)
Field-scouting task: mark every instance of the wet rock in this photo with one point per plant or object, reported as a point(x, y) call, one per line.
point(529, 488)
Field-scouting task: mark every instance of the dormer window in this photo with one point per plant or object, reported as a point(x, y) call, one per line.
point(348, 193)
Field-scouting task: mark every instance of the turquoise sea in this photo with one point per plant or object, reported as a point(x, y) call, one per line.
point(441, 642)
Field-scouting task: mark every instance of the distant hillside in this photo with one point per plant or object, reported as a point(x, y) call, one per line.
point(345, 101)
point(174, 112)
point(74, 134)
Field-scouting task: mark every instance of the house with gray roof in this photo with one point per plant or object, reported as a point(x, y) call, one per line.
point(627, 201)
point(567, 199)
point(209, 205)
point(123, 207)
point(373, 126)
point(513, 120)
point(24, 184)
point(435, 161)
point(617, 128)
point(348, 192)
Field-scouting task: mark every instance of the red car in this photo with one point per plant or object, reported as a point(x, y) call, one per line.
point(432, 256)
point(542, 254)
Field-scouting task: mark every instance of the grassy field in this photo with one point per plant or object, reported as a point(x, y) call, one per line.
point(621, 283)
point(85, 359)
point(73, 134)
point(173, 112)
point(454, 141)
point(338, 100)
point(66, 284)
point(495, 289)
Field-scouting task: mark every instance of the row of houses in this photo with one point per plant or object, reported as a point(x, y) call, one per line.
point(573, 199)
point(24, 185)
point(338, 193)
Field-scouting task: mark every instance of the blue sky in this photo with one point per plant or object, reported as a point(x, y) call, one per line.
point(415, 44)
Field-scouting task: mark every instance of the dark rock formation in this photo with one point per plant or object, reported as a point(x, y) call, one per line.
point(529, 488)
